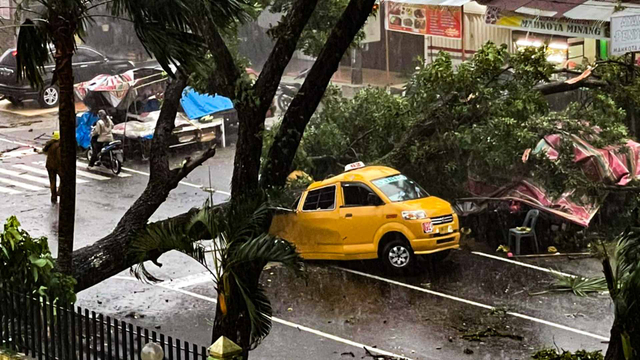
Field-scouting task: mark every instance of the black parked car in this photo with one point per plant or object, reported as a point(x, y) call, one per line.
point(87, 63)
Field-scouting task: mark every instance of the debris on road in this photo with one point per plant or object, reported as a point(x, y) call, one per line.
point(490, 332)
point(580, 286)
point(468, 351)
point(9, 150)
point(379, 357)
point(134, 315)
point(552, 354)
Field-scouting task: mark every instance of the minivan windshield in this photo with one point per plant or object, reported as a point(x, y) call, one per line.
point(400, 188)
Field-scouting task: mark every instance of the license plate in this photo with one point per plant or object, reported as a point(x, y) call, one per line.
point(427, 227)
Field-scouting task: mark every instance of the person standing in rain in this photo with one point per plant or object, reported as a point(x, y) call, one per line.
point(101, 134)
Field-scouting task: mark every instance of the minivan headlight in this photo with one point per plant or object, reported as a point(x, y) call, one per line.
point(414, 215)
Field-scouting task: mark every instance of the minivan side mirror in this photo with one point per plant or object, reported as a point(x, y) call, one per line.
point(373, 199)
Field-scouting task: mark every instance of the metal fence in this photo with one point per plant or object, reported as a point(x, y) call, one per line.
point(32, 325)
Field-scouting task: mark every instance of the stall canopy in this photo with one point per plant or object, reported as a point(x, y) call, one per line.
point(197, 105)
point(434, 2)
point(568, 9)
point(614, 166)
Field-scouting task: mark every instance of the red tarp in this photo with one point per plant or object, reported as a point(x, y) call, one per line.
point(614, 165)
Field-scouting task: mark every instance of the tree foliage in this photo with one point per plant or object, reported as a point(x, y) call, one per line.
point(26, 264)
point(318, 28)
point(240, 250)
point(471, 121)
point(622, 272)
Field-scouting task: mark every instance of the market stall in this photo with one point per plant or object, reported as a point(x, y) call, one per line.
point(133, 99)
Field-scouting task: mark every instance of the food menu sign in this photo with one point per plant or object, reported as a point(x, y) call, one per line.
point(445, 21)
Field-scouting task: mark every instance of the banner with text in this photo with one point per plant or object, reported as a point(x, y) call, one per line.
point(444, 21)
point(564, 27)
point(625, 34)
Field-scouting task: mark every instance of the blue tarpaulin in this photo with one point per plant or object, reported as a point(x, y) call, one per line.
point(197, 105)
point(84, 122)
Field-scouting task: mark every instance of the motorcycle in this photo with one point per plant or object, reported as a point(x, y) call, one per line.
point(111, 156)
point(289, 90)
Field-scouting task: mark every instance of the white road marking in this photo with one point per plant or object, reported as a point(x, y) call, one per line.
point(44, 172)
point(474, 303)
point(190, 280)
point(32, 178)
point(124, 168)
point(9, 191)
point(22, 185)
point(18, 153)
point(91, 176)
point(181, 182)
point(100, 169)
point(523, 264)
point(283, 322)
point(19, 143)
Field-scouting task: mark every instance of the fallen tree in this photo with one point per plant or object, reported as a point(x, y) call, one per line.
point(108, 256)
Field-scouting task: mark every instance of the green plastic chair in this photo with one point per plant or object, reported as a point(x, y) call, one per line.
point(528, 229)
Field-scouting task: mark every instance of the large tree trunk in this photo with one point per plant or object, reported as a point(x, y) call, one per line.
point(110, 255)
point(286, 142)
point(236, 323)
point(64, 44)
point(615, 350)
point(248, 151)
point(252, 112)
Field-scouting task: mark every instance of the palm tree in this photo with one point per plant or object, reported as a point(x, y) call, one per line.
point(622, 273)
point(167, 29)
point(240, 251)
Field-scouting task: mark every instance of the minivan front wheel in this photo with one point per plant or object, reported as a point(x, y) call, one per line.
point(398, 256)
point(49, 96)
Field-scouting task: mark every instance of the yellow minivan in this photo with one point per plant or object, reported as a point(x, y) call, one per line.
point(369, 212)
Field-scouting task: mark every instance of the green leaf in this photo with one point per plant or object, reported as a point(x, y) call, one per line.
point(38, 261)
point(34, 271)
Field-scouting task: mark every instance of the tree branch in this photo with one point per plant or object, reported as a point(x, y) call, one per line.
point(194, 163)
point(304, 104)
point(291, 28)
point(109, 255)
point(561, 86)
point(227, 72)
point(159, 160)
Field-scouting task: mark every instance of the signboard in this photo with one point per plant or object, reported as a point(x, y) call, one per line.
point(542, 25)
point(5, 11)
point(625, 34)
point(444, 21)
point(372, 29)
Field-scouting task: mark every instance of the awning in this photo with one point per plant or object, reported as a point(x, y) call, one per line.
point(569, 9)
point(434, 2)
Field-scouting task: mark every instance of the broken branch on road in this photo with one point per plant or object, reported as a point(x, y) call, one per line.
point(490, 332)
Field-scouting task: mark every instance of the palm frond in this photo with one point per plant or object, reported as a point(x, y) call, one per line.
point(580, 286)
point(264, 249)
point(259, 311)
point(33, 52)
point(158, 238)
point(245, 220)
point(166, 28)
point(627, 256)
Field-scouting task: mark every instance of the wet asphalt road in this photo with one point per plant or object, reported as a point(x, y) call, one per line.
point(342, 306)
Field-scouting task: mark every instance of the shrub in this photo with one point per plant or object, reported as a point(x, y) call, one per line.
point(26, 264)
